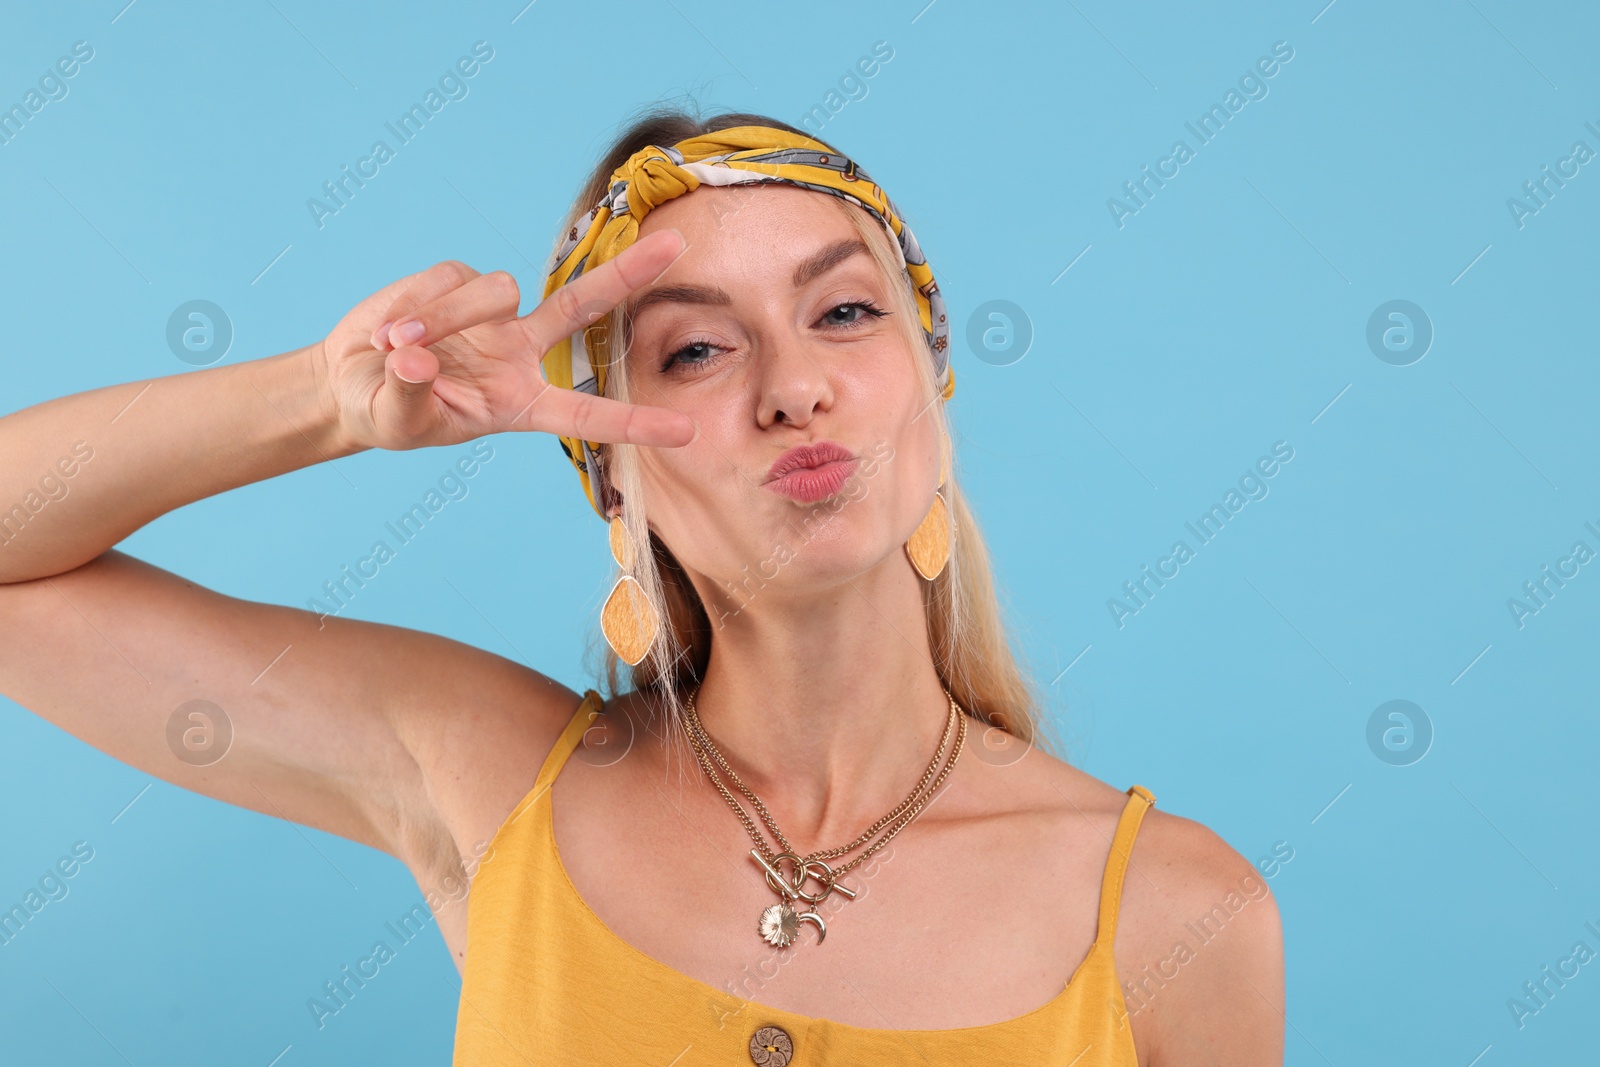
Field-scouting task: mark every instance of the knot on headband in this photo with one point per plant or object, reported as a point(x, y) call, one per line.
point(653, 179)
point(652, 176)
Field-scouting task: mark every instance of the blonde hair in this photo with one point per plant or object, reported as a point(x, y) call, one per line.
point(965, 631)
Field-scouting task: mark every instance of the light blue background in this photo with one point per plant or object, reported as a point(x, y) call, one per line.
point(1228, 314)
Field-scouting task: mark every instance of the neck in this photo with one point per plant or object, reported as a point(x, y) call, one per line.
point(828, 707)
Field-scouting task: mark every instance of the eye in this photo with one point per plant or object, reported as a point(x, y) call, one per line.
point(700, 352)
point(693, 354)
point(852, 314)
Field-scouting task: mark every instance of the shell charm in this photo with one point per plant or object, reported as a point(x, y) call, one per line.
point(779, 925)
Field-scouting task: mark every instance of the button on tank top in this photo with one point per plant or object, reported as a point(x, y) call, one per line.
point(547, 983)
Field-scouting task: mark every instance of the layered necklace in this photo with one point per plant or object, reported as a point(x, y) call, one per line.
point(780, 923)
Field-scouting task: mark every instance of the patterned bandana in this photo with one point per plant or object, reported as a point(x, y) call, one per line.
point(654, 175)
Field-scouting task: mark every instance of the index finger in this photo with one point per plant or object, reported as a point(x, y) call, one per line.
point(577, 304)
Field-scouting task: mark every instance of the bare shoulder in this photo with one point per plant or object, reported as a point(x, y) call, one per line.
point(1198, 944)
point(1199, 948)
point(478, 727)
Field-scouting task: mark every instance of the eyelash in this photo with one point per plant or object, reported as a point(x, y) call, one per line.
point(870, 312)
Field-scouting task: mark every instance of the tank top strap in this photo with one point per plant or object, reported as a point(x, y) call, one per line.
point(571, 735)
point(1140, 800)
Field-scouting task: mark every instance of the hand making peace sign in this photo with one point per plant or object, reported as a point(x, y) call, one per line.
point(473, 367)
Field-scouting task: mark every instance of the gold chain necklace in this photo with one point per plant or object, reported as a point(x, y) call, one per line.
point(780, 923)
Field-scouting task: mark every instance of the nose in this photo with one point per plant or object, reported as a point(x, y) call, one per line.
point(794, 384)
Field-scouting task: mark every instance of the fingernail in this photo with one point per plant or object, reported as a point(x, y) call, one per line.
point(408, 332)
point(381, 334)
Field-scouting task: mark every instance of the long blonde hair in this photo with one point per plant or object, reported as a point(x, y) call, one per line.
point(965, 630)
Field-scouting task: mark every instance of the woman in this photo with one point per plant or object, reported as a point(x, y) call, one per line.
point(781, 840)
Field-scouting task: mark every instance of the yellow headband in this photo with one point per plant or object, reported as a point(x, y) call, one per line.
point(654, 175)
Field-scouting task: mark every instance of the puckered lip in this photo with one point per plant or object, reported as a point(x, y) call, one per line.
point(808, 457)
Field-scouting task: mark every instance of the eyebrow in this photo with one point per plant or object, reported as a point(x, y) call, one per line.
point(827, 259)
point(807, 271)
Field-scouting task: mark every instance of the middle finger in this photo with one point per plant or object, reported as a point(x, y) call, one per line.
point(491, 297)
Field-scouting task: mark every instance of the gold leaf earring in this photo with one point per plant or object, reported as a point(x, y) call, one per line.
point(929, 547)
point(629, 621)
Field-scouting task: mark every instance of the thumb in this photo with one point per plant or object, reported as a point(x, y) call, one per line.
point(406, 403)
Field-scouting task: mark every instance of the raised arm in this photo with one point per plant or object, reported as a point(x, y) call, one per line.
point(356, 728)
point(80, 473)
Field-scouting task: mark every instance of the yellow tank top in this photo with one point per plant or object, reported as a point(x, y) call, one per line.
point(547, 983)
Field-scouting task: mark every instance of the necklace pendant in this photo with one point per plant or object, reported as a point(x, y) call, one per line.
point(780, 924)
